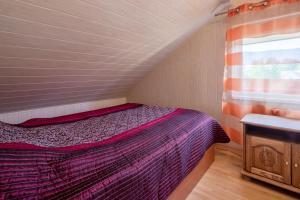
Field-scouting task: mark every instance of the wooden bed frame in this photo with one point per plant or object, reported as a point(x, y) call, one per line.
point(188, 184)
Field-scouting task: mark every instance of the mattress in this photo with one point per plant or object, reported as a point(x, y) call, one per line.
point(131, 151)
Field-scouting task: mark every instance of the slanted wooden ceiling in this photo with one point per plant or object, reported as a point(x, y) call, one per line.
point(63, 51)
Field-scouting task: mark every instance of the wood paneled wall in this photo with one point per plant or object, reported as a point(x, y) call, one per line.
point(60, 51)
point(191, 76)
point(54, 111)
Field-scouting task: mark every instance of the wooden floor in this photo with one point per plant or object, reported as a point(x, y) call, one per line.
point(223, 182)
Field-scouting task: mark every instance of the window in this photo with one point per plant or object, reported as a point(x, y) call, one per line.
point(273, 57)
point(268, 60)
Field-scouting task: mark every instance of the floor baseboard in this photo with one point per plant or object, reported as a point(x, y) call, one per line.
point(231, 147)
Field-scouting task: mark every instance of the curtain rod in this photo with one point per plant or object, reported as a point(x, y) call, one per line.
point(222, 8)
point(221, 13)
point(251, 5)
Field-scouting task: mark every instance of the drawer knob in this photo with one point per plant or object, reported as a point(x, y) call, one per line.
point(296, 165)
point(286, 163)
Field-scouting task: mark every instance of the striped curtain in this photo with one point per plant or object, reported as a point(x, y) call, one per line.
point(262, 72)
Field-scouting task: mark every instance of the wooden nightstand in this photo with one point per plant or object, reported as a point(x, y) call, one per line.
point(272, 150)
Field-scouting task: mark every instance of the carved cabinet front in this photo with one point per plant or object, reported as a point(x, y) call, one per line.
point(269, 158)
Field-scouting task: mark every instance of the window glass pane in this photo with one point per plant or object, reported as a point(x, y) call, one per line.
point(273, 57)
point(284, 71)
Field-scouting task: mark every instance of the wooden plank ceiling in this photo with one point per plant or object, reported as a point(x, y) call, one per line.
point(63, 51)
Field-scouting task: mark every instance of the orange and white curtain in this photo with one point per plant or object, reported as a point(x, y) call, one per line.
point(262, 72)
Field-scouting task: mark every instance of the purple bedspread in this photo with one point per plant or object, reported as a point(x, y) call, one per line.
point(144, 162)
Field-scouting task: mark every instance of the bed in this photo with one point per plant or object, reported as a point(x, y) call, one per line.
point(130, 151)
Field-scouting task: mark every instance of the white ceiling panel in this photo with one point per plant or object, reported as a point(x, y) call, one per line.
point(54, 52)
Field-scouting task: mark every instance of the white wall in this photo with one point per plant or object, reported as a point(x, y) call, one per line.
point(53, 111)
point(191, 76)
